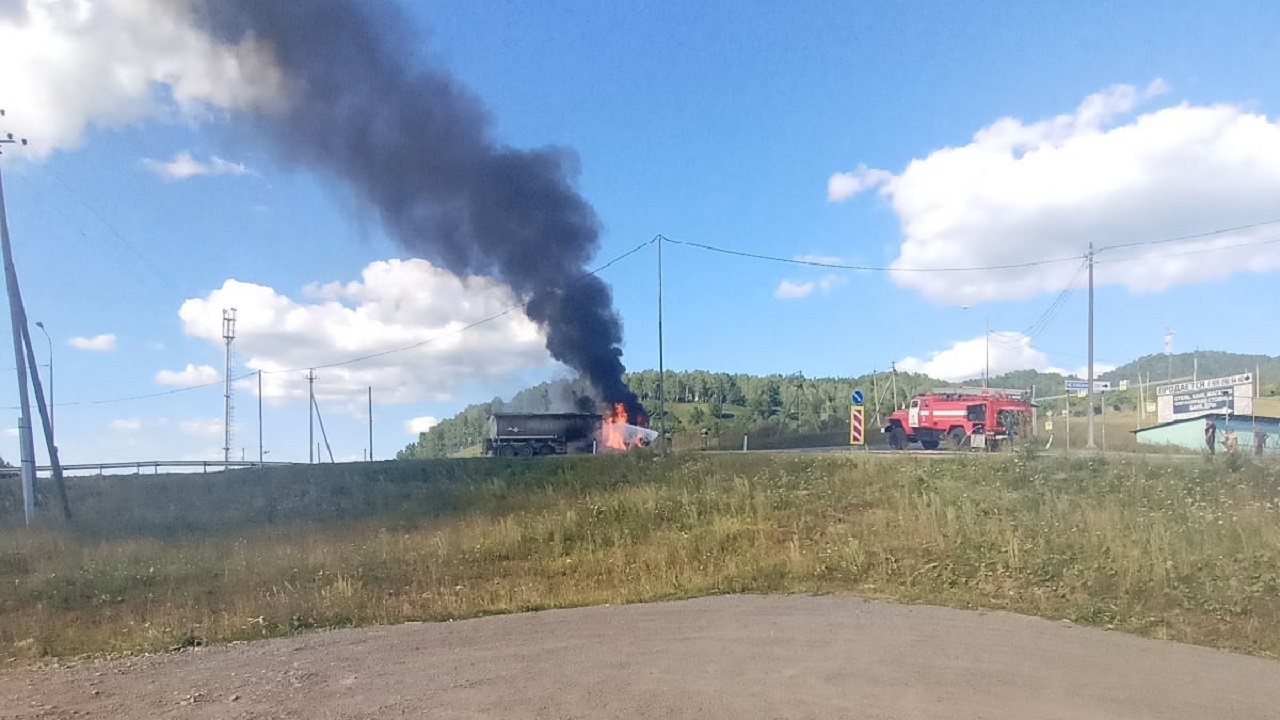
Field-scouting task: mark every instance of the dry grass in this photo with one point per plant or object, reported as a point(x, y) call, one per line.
point(1185, 550)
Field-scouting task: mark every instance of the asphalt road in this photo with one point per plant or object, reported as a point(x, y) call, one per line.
point(710, 659)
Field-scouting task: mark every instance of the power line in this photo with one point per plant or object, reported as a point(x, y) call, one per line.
point(1196, 236)
point(116, 234)
point(1200, 251)
point(1051, 313)
point(867, 268)
point(1007, 266)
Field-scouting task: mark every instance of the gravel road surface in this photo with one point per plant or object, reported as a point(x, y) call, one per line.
point(726, 657)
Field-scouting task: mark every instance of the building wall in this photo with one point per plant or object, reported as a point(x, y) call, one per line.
point(1190, 433)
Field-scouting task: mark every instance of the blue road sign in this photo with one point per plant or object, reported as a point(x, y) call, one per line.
point(857, 397)
point(1077, 384)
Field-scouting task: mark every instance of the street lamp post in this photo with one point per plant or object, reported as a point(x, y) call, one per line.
point(50, 342)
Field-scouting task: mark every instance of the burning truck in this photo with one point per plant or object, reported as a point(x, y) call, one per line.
point(529, 434)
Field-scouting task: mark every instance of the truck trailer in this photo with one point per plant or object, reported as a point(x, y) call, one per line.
point(530, 434)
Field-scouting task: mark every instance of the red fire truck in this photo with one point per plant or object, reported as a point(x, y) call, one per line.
point(964, 417)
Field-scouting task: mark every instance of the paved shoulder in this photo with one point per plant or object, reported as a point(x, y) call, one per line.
point(727, 657)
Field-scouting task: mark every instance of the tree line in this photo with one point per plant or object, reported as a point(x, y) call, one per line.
point(697, 400)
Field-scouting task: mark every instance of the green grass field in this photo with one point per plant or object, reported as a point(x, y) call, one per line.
point(1173, 548)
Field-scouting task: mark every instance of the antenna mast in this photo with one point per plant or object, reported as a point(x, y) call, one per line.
point(228, 335)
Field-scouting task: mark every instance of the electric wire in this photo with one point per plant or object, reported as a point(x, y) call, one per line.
point(866, 268)
point(1041, 323)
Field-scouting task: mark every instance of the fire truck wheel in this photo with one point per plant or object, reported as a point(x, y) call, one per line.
point(957, 436)
point(525, 451)
point(898, 438)
point(929, 444)
point(506, 451)
point(546, 449)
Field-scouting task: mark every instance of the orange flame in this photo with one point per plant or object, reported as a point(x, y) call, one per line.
point(617, 432)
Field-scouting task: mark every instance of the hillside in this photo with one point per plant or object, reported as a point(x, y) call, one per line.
point(1204, 364)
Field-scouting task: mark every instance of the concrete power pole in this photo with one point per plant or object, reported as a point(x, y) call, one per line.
point(228, 335)
point(26, 444)
point(662, 374)
point(1089, 437)
point(261, 452)
point(312, 450)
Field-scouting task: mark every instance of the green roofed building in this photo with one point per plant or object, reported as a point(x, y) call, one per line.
point(1189, 433)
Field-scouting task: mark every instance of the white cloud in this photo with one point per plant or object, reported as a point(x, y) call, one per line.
point(188, 376)
point(184, 166)
point(967, 359)
point(1022, 192)
point(202, 427)
point(842, 186)
point(790, 290)
point(420, 425)
point(97, 343)
point(71, 63)
point(125, 425)
point(395, 304)
point(793, 290)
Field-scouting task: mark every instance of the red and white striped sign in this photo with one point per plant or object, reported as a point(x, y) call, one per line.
point(856, 435)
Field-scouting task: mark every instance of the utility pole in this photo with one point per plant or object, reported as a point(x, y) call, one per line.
point(662, 374)
point(323, 434)
point(1168, 350)
point(894, 367)
point(48, 341)
point(370, 423)
point(311, 416)
point(1089, 444)
point(228, 335)
point(261, 454)
point(26, 444)
point(875, 393)
point(986, 375)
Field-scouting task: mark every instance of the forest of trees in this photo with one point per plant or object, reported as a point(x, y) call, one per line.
point(717, 402)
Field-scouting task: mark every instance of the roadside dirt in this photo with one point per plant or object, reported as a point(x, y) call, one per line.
point(727, 657)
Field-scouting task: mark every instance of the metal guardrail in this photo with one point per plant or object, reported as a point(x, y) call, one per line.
point(155, 465)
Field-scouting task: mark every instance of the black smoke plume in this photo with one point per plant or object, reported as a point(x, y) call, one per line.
point(416, 145)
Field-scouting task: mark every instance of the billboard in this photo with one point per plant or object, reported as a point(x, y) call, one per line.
point(1196, 398)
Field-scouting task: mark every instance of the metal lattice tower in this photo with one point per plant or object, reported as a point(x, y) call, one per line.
point(228, 335)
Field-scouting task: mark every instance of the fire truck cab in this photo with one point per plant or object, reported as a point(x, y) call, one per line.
point(964, 417)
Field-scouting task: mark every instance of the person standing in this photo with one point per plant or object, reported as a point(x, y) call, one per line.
point(1259, 441)
point(1210, 435)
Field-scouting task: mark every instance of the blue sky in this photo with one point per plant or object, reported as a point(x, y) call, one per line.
point(718, 123)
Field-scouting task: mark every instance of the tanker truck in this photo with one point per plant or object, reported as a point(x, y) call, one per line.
point(529, 434)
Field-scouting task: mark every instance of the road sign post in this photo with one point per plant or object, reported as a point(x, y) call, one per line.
point(857, 435)
point(857, 429)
